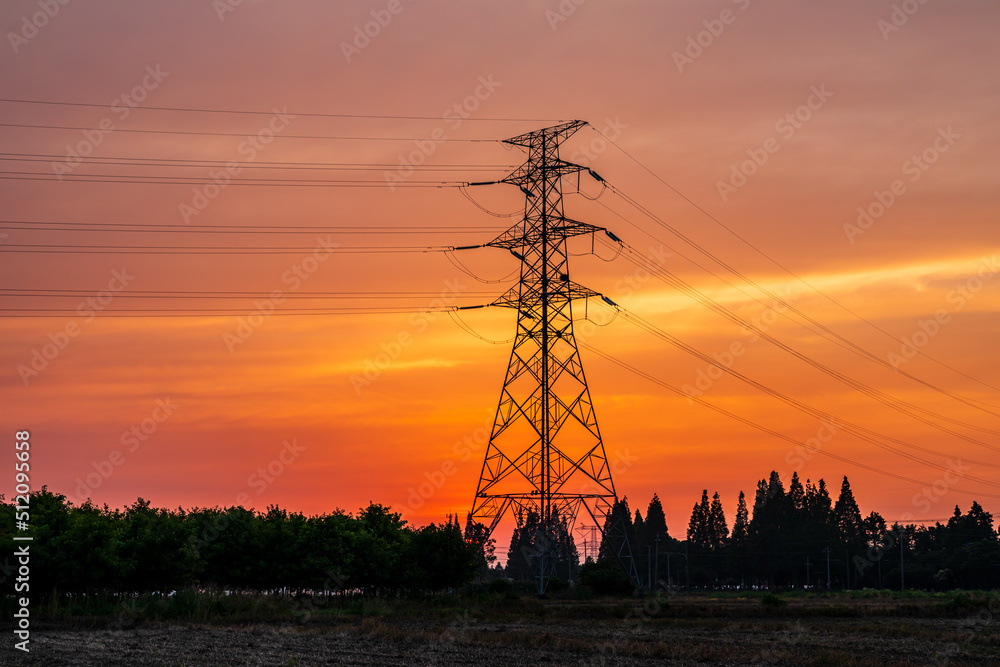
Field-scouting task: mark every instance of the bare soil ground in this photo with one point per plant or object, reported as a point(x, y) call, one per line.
point(560, 634)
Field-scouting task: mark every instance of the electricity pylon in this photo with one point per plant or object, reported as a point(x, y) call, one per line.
point(545, 452)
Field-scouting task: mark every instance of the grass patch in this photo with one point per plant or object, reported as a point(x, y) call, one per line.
point(496, 603)
point(773, 601)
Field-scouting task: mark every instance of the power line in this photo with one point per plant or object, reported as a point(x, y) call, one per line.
point(719, 309)
point(829, 332)
point(820, 331)
point(278, 166)
point(233, 181)
point(169, 294)
point(211, 250)
point(765, 429)
point(246, 134)
point(861, 432)
point(245, 165)
point(23, 225)
point(214, 312)
point(784, 268)
point(856, 430)
point(272, 112)
point(856, 348)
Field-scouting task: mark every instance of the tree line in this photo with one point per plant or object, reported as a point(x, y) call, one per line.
point(790, 537)
point(86, 550)
point(800, 537)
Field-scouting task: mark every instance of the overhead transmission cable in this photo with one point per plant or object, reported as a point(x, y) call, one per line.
point(805, 445)
point(211, 250)
point(782, 266)
point(155, 228)
point(190, 162)
point(780, 312)
point(215, 312)
point(784, 302)
point(684, 287)
point(233, 181)
point(280, 135)
point(272, 112)
point(223, 294)
point(663, 335)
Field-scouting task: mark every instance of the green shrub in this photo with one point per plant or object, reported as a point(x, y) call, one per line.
point(606, 578)
point(773, 601)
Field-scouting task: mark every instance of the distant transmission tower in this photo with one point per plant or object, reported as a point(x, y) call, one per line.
point(545, 451)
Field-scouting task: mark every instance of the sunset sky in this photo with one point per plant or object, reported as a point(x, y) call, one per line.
point(873, 126)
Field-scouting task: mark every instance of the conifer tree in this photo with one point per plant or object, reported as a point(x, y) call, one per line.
point(717, 528)
point(741, 526)
point(847, 516)
point(656, 519)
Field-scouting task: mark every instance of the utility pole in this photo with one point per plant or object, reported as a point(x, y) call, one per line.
point(807, 571)
point(669, 586)
point(656, 561)
point(687, 571)
point(827, 550)
point(545, 452)
point(902, 537)
point(649, 566)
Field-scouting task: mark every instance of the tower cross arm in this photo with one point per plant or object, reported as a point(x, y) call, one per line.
point(567, 290)
point(555, 134)
point(524, 234)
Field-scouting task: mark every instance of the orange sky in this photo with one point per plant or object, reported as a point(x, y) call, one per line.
point(879, 95)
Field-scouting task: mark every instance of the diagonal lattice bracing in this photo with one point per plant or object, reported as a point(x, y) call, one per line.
point(545, 451)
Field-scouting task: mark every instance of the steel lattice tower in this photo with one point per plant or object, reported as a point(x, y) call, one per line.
point(545, 451)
